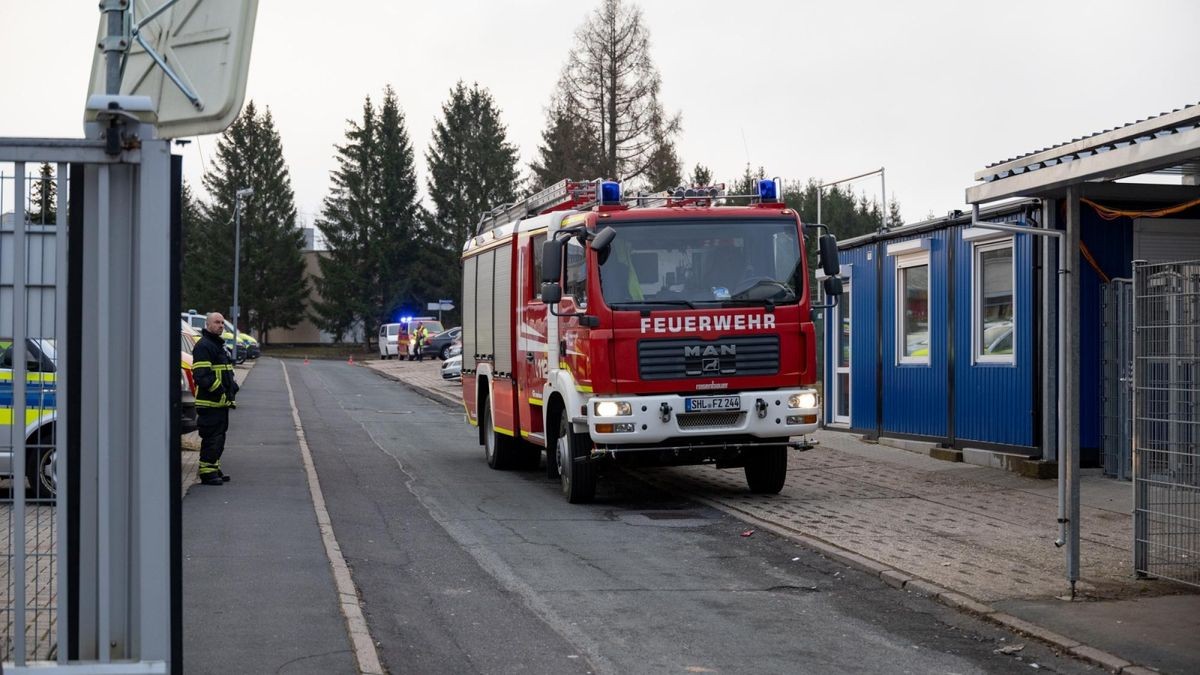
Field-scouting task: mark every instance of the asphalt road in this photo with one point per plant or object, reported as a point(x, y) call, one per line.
point(463, 569)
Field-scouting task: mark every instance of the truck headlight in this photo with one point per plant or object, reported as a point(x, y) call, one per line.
point(805, 399)
point(612, 408)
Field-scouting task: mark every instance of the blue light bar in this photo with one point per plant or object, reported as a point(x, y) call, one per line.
point(610, 192)
point(768, 190)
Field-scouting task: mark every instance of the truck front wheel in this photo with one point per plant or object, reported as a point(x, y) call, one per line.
point(766, 469)
point(578, 477)
point(497, 448)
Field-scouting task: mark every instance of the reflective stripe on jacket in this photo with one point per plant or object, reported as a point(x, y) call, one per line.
point(212, 370)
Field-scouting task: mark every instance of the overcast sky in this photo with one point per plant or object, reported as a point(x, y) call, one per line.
point(933, 91)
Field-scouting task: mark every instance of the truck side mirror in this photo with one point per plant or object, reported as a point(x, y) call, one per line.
point(603, 239)
point(552, 292)
point(551, 261)
point(832, 286)
point(827, 246)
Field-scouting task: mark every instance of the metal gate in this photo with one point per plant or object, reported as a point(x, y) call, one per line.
point(88, 521)
point(1116, 378)
point(1166, 443)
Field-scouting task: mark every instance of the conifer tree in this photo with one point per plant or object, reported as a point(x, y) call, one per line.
point(373, 225)
point(472, 166)
point(663, 168)
point(196, 270)
point(894, 217)
point(610, 83)
point(701, 175)
point(43, 202)
point(570, 148)
point(272, 287)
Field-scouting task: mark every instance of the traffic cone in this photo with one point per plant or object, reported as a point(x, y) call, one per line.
point(350, 360)
point(306, 360)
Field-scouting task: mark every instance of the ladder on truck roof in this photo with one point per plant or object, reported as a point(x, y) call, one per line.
point(563, 195)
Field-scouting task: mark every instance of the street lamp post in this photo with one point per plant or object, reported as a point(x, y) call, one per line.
point(237, 257)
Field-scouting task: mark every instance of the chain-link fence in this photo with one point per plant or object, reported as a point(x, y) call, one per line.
point(1166, 454)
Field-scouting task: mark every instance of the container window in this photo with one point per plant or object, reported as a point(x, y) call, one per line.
point(912, 309)
point(994, 303)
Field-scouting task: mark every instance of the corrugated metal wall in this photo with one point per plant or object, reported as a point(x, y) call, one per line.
point(994, 402)
point(915, 397)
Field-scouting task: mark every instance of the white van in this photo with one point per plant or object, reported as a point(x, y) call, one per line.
point(389, 340)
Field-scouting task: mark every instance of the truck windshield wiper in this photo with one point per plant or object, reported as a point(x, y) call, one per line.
point(648, 304)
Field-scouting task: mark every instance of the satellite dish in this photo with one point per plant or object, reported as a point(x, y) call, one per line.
point(189, 56)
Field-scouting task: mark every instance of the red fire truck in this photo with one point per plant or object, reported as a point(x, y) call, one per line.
point(649, 331)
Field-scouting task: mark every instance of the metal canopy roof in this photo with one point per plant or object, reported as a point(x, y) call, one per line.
point(1167, 143)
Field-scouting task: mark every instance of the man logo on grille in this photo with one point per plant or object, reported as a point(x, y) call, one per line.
point(712, 365)
point(709, 350)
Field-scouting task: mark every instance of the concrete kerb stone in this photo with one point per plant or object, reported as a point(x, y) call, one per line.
point(1035, 631)
point(963, 603)
point(923, 587)
point(1109, 662)
point(1138, 670)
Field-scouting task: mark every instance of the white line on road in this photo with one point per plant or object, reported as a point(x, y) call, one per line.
point(356, 625)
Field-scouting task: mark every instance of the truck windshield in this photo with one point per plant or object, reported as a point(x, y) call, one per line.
point(692, 263)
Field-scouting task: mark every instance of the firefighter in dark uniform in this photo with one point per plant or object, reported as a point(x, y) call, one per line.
point(216, 390)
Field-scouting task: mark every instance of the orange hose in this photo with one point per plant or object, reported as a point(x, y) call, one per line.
point(1109, 213)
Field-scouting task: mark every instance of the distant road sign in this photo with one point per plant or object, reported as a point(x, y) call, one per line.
point(191, 58)
point(433, 306)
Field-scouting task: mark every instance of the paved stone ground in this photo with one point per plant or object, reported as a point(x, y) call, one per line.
point(978, 532)
point(41, 587)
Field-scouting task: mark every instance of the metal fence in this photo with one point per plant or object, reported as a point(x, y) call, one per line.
point(88, 503)
point(1166, 443)
point(1116, 378)
point(29, 364)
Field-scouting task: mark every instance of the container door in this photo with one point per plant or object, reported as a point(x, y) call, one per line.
point(841, 346)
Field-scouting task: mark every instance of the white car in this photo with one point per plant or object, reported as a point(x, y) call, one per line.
point(452, 368)
point(389, 340)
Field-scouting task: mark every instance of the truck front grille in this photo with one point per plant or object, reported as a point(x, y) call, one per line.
point(723, 357)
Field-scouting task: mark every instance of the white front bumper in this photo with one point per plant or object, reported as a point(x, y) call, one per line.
point(752, 419)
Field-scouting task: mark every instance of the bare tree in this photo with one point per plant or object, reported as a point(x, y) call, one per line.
point(610, 81)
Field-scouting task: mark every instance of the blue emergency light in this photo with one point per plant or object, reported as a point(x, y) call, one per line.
point(768, 190)
point(405, 319)
point(610, 192)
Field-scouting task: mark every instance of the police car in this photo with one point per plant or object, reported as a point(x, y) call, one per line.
point(38, 425)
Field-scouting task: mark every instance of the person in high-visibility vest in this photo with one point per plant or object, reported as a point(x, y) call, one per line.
point(422, 336)
point(216, 391)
